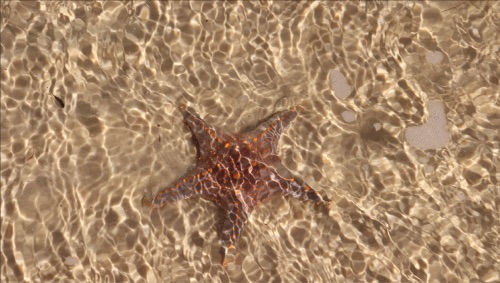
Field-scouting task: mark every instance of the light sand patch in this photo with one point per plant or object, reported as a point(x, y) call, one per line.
point(349, 116)
point(71, 260)
point(434, 57)
point(339, 84)
point(433, 134)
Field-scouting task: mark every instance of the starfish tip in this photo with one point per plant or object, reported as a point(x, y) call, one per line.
point(299, 108)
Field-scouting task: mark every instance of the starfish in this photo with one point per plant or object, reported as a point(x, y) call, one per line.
point(237, 172)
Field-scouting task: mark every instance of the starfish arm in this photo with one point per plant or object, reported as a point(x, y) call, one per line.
point(236, 218)
point(200, 129)
point(199, 185)
point(267, 134)
point(209, 138)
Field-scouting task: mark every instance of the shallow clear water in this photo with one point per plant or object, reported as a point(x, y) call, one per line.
point(400, 129)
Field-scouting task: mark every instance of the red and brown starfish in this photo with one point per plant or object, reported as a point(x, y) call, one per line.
point(238, 172)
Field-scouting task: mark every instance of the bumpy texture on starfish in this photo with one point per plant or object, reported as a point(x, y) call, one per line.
point(238, 172)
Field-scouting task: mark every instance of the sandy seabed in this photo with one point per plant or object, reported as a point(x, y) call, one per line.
point(400, 129)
